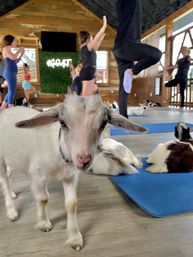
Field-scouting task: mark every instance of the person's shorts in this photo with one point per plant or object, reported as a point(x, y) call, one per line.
point(26, 85)
point(88, 73)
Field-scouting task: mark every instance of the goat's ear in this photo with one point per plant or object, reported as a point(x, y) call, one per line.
point(49, 116)
point(119, 121)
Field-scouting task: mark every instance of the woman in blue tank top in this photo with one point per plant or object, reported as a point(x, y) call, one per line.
point(10, 69)
point(88, 48)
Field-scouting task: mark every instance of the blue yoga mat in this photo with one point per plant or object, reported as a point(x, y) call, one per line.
point(160, 195)
point(152, 128)
point(137, 115)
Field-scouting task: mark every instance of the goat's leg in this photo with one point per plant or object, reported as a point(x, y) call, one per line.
point(39, 187)
point(9, 173)
point(74, 235)
point(9, 203)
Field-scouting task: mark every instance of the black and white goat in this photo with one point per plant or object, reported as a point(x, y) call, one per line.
point(173, 156)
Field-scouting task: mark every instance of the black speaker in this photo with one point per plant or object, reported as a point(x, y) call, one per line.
point(58, 41)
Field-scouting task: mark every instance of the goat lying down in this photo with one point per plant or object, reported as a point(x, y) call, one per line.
point(114, 158)
point(173, 156)
point(60, 142)
point(136, 110)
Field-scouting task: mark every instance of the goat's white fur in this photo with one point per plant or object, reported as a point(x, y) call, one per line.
point(138, 110)
point(36, 150)
point(114, 159)
point(157, 158)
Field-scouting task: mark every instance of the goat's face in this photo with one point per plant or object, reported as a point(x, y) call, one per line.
point(82, 120)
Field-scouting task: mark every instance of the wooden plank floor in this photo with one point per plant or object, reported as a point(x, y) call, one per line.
point(112, 225)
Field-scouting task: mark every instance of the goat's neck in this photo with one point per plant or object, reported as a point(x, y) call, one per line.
point(61, 150)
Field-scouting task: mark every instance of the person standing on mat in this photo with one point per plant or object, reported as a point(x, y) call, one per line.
point(181, 76)
point(26, 84)
point(129, 49)
point(88, 48)
point(10, 69)
point(76, 86)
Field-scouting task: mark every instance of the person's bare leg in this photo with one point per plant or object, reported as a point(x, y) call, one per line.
point(10, 105)
point(1, 98)
point(27, 93)
point(84, 88)
point(3, 106)
point(88, 87)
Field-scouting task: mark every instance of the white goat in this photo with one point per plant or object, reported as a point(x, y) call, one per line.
point(114, 158)
point(59, 142)
point(138, 110)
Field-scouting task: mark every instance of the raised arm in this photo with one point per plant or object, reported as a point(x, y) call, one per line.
point(95, 43)
point(8, 53)
point(99, 42)
point(21, 54)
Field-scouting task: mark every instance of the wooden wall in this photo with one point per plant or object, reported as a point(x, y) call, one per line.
point(35, 16)
point(71, 16)
point(144, 88)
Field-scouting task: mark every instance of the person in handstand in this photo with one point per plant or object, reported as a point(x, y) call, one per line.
point(129, 49)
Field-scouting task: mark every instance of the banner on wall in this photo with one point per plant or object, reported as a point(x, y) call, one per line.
point(54, 71)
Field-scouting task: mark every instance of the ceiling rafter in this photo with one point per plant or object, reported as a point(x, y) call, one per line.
point(154, 11)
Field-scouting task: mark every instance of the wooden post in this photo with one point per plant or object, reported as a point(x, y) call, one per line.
point(167, 74)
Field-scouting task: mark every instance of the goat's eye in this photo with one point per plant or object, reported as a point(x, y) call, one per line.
point(104, 123)
point(63, 124)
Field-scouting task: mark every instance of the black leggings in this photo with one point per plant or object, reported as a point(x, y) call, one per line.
point(145, 56)
point(182, 83)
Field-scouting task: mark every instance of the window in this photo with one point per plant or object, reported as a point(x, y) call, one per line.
point(184, 38)
point(29, 57)
point(162, 47)
point(102, 67)
point(158, 40)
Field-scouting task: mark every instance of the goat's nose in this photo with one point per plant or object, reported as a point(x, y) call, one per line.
point(84, 159)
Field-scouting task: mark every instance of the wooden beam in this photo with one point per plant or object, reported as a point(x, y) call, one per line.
point(92, 14)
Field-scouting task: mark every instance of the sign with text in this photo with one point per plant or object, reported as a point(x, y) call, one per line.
point(54, 71)
point(54, 63)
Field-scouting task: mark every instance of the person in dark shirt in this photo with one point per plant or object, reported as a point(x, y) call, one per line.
point(181, 76)
point(76, 86)
point(88, 48)
point(129, 49)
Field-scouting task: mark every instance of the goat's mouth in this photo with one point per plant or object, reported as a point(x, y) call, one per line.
point(84, 166)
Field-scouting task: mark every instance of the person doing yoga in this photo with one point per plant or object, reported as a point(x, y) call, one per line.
point(129, 49)
point(10, 69)
point(88, 48)
point(181, 76)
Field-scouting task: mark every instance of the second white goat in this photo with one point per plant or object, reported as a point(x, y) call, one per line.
point(114, 158)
